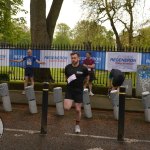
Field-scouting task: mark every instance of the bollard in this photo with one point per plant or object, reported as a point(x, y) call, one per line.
point(1, 128)
point(122, 94)
point(114, 96)
point(44, 108)
point(128, 84)
point(30, 94)
point(5, 97)
point(86, 104)
point(146, 103)
point(57, 94)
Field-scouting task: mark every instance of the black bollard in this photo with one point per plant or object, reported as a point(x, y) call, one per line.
point(122, 95)
point(44, 108)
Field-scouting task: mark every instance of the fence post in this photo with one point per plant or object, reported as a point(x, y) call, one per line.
point(121, 113)
point(44, 108)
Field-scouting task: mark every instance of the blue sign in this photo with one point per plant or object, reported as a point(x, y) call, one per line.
point(145, 59)
point(98, 56)
point(17, 54)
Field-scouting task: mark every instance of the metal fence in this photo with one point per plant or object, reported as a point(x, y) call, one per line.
point(16, 72)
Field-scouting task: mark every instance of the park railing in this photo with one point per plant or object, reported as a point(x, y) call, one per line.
point(58, 56)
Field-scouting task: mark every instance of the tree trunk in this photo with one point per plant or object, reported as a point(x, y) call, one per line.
point(118, 42)
point(52, 18)
point(130, 32)
point(39, 35)
point(42, 30)
point(111, 19)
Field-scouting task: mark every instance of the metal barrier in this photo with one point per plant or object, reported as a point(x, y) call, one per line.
point(146, 103)
point(30, 94)
point(57, 94)
point(114, 96)
point(86, 104)
point(4, 92)
point(44, 108)
point(122, 94)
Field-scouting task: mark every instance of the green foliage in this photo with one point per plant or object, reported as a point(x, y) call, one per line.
point(141, 38)
point(12, 29)
point(85, 31)
point(91, 31)
point(63, 34)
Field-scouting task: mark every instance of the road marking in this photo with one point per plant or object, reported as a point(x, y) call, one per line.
point(127, 140)
point(18, 135)
point(24, 131)
point(95, 148)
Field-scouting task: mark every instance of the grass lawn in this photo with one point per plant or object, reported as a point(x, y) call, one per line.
point(17, 74)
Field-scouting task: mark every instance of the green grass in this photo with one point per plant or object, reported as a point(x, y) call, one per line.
point(17, 74)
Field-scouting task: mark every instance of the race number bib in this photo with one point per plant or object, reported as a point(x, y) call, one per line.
point(72, 78)
point(89, 69)
point(29, 62)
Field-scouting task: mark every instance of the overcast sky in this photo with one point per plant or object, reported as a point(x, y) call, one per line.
point(71, 12)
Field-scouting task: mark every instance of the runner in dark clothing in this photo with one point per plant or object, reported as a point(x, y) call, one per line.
point(75, 75)
point(116, 78)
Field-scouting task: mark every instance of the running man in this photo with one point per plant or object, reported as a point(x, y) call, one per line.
point(90, 64)
point(75, 75)
point(29, 62)
point(116, 78)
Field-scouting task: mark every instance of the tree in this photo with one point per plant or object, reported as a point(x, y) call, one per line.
point(128, 6)
point(143, 37)
point(114, 11)
point(42, 29)
point(90, 31)
point(103, 10)
point(63, 35)
point(8, 20)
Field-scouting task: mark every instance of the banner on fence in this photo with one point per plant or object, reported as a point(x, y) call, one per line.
point(55, 59)
point(124, 61)
point(145, 59)
point(99, 58)
point(4, 57)
point(143, 79)
point(20, 54)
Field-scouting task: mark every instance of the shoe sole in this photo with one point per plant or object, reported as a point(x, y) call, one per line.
point(77, 132)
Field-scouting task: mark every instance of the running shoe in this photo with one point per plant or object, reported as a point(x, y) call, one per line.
point(91, 94)
point(23, 92)
point(77, 129)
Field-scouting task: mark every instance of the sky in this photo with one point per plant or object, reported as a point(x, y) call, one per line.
point(71, 13)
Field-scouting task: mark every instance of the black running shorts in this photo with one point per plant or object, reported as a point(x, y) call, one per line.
point(74, 94)
point(29, 72)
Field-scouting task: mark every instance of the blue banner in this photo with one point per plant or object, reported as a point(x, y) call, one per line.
point(98, 56)
point(145, 59)
point(17, 54)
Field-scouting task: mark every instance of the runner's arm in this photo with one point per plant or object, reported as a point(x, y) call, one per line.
point(21, 60)
point(40, 62)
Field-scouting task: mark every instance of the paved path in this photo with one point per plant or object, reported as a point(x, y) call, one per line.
point(99, 133)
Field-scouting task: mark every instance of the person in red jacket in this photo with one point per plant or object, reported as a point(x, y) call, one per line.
point(90, 64)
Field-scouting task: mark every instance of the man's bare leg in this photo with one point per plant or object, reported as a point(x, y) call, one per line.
point(32, 81)
point(78, 112)
point(67, 104)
